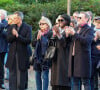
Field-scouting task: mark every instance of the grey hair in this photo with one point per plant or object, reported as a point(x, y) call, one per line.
point(4, 12)
point(20, 14)
point(47, 21)
point(90, 14)
point(86, 15)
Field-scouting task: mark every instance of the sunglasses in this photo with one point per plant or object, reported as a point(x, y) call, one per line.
point(79, 17)
point(61, 20)
point(42, 23)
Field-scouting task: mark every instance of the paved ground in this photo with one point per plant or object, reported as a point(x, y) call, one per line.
point(31, 81)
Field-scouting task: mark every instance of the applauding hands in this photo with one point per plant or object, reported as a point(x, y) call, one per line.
point(69, 31)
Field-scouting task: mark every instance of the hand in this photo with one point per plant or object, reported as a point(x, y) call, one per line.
point(14, 32)
point(39, 35)
point(70, 31)
point(56, 30)
point(67, 31)
point(98, 47)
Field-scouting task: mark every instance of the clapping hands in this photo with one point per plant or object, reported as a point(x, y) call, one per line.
point(14, 32)
point(69, 31)
point(55, 30)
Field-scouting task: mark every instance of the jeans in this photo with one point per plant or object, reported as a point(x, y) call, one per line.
point(76, 83)
point(42, 79)
point(6, 69)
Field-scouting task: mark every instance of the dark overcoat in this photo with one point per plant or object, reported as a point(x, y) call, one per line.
point(82, 57)
point(20, 46)
point(59, 69)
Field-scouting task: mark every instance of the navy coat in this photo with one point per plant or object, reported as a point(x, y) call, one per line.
point(40, 49)
point(3, 39)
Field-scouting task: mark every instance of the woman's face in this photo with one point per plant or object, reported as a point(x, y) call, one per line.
point(62, 22)
point(43, 25)
point(11, 19)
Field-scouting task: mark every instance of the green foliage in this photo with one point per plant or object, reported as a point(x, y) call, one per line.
point(5, 2)
point(87, 5)
point(34, 10)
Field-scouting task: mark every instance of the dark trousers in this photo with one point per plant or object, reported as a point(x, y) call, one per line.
point(2, 55)
point(17, 78)
point(76, 83)
point(57, 87)
point(95, 74)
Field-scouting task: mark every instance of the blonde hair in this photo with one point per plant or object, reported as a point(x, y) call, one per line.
point(47, 21)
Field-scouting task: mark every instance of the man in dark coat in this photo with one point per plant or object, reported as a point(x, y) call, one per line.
point(79, 69)
point(18, 56)
point(3, 45)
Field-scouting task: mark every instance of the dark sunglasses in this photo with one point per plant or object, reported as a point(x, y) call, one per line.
point(79, 17)
point(42, 23)
point(61, 20)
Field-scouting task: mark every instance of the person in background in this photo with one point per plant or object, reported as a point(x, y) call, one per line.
point(90, 18)
point(3, 44)
point(41, 66)
point(73, 23)
point(59, 69)
point(75, 15)
point(19, 37)
point(96, 55)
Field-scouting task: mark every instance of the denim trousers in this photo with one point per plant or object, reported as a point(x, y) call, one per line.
point(76, 83)
point(42, 79)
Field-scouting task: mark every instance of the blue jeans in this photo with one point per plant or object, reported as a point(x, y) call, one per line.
point(76, 83)
point(42, 79)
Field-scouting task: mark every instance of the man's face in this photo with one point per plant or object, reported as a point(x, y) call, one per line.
point(17, 19)
point(75, 16)
point(97, 25)
point(82, 19)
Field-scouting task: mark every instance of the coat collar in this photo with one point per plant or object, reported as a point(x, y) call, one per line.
point(84, 28)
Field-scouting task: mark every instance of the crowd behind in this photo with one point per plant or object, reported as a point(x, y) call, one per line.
point(70, 48)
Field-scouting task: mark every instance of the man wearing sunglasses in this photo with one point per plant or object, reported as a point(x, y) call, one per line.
point(79, 69)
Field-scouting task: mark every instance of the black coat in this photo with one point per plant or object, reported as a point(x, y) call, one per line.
point(82, 58)
point(20, 46)
point(59, 69)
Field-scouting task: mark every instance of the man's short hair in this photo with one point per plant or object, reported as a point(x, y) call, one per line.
point(76, 12)
point(20, 14)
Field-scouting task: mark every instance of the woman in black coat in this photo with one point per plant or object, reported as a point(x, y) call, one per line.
point(59, 69)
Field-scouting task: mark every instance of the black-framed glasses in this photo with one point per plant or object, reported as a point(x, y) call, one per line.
point(61, 20)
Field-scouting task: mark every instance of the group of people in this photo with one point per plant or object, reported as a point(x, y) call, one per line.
point(76, 59)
